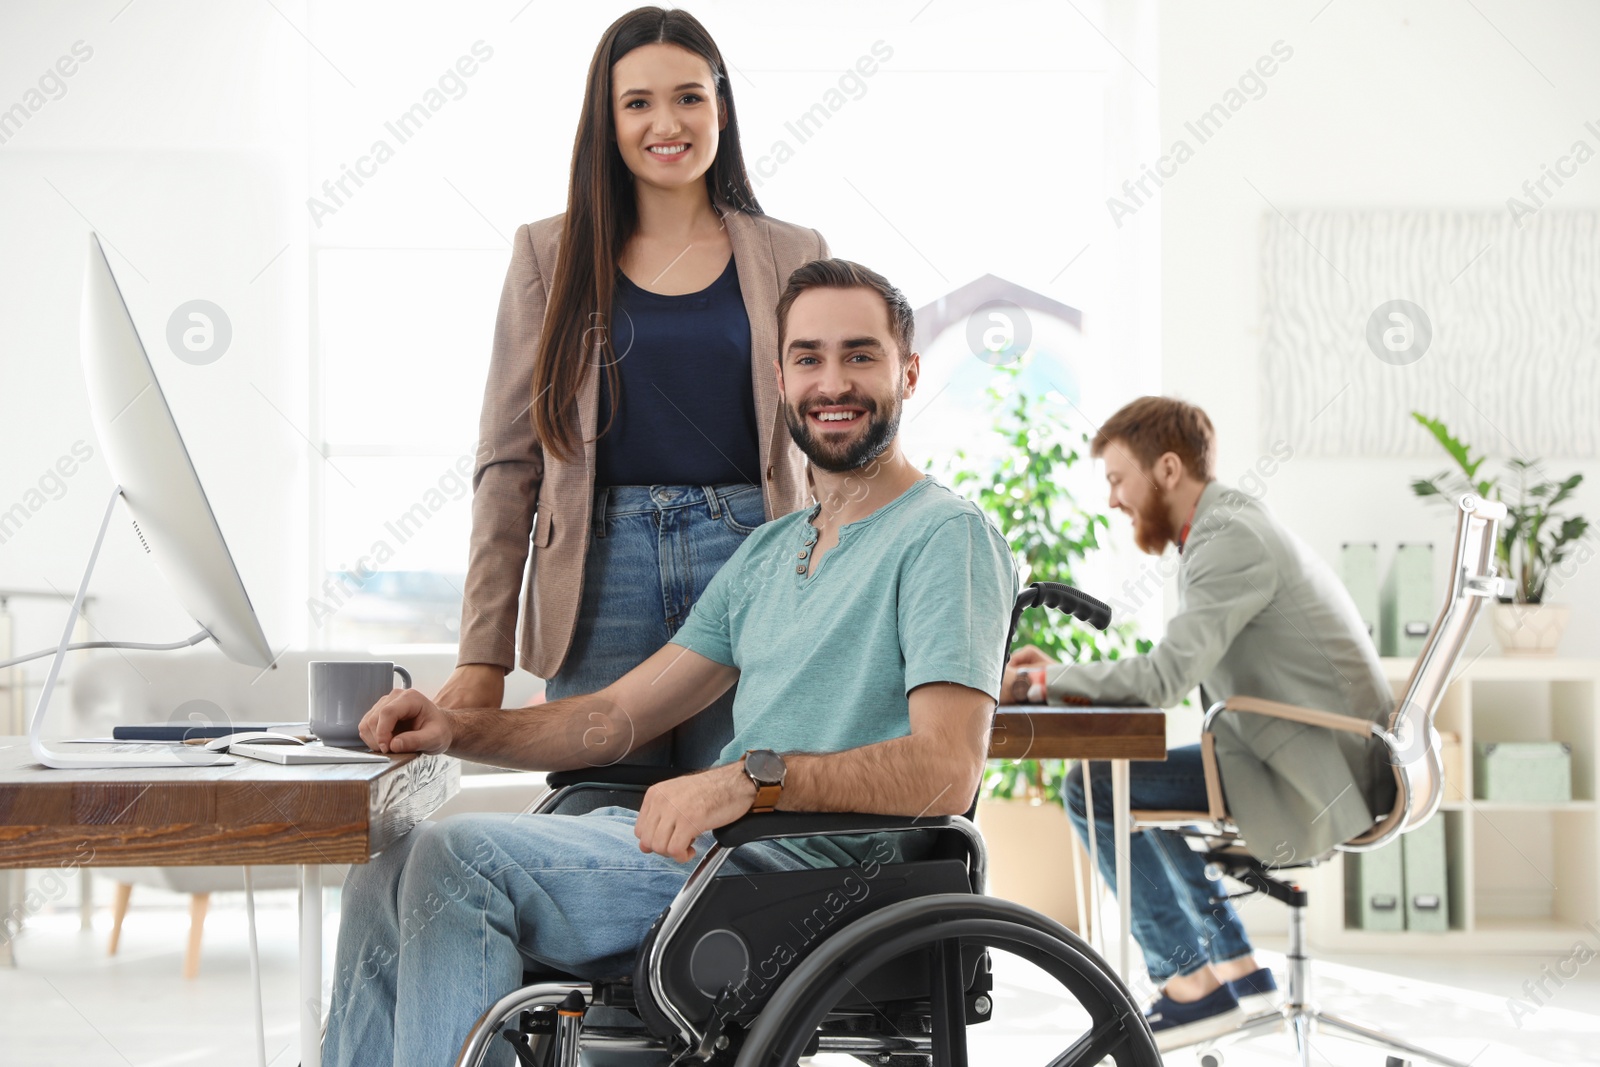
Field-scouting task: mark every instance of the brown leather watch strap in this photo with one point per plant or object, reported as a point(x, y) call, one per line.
point(766, 798)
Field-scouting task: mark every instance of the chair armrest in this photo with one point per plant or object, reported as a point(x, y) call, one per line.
point(1277, 710)
point(1294, 713)
point(1169, 817)
point(776, 824)
point(618, 775)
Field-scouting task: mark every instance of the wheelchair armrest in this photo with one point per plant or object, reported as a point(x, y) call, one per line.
point(615, 776)
point(775, 824)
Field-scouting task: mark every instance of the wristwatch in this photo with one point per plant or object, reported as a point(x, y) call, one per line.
point(766, 769)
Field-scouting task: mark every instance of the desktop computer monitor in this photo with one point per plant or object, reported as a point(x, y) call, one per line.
point(156, 480)
point(147, 457)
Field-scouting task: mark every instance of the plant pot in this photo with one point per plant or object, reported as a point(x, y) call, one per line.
point(1530, 629)
point(1031, 848)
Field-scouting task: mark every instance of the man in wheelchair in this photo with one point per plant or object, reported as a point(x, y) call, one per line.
point(866, 636)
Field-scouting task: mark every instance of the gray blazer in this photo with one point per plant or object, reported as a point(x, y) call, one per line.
point(1261, 615)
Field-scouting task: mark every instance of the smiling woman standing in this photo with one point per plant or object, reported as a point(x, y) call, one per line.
point(631, 422)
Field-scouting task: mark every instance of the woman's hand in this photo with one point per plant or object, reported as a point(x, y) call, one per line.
point(473, 685)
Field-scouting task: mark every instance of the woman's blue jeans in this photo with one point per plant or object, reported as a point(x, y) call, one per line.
point(1175, 922)
point(442, 924)
point(653, 550)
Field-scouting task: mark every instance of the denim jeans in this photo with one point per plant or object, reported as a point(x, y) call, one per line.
point(1177, 926)
point(440, 925)
point(652, 552)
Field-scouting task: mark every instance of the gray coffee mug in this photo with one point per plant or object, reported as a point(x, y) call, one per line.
point(341, 692)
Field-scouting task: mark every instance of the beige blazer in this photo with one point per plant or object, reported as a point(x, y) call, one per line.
point(518, 490)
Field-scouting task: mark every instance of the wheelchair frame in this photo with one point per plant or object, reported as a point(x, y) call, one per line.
point(892, 938)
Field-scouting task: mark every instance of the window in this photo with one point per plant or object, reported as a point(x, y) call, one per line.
point(405, 339)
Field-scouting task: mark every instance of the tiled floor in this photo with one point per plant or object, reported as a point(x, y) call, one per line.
point(66, 1003)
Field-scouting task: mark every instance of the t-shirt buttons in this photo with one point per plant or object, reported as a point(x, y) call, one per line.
point(800, 569)
point(803, 553)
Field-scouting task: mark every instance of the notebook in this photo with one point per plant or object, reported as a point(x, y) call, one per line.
point(297, 753)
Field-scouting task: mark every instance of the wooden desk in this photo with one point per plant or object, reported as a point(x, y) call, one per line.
point(1034, 731)
point(260, 813)
point(248, 813)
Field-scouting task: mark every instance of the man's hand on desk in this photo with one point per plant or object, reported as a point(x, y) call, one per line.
point(1024, 676)
point(406, 721)
point(1024, 680)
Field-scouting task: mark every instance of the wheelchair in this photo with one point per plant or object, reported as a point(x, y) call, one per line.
point(889, 962)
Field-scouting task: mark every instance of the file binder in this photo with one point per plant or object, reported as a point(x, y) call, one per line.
point(1408, 603)
point(1358, 567)
point(1374, 889)
point(1426, 878)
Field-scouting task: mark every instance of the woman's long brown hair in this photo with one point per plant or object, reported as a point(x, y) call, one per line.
point(602, 215)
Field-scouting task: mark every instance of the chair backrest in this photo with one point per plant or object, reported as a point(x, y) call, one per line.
point(1413, 743)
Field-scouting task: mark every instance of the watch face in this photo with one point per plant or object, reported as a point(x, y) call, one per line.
point(765, 766)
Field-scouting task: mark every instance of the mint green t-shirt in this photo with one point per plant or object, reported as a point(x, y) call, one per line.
point(919, 591)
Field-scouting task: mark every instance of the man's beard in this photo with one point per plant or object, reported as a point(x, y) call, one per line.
point(840, 459)
point(1154, 530)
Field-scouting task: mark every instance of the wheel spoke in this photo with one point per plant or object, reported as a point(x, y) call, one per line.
point(1095, 1045)
point(949, 1005)
point(935, 928)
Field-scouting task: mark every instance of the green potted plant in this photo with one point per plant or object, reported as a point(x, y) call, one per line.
point(1024, 490)
point(1535, 540)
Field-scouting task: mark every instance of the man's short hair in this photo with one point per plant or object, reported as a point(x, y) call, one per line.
point(843, 274)
point(1152, 426)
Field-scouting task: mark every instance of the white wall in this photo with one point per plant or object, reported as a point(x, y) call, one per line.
point(1419, 104)
point(174, 138)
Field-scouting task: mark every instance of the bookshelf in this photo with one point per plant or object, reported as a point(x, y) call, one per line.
point(1522, 877)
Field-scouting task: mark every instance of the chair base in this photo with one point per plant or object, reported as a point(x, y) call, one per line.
point(1304, 1020)
point(1296, 1014)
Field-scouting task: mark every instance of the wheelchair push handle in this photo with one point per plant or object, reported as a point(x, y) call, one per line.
point(1080, 605)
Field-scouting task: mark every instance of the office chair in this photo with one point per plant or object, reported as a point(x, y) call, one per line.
point(1414, 750)
point(894, 975)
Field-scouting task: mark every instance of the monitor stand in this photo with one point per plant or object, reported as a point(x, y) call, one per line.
point(177, 756)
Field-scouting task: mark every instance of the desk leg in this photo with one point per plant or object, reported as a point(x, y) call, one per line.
point(255, 967)
point(1097, 931)
point(1121, 828)
point(310, 965)
point(13, 893)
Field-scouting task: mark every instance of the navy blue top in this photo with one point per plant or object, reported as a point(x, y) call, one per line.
point(687, 412)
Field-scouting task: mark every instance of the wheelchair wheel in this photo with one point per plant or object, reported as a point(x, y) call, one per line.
point(1094, 1018)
